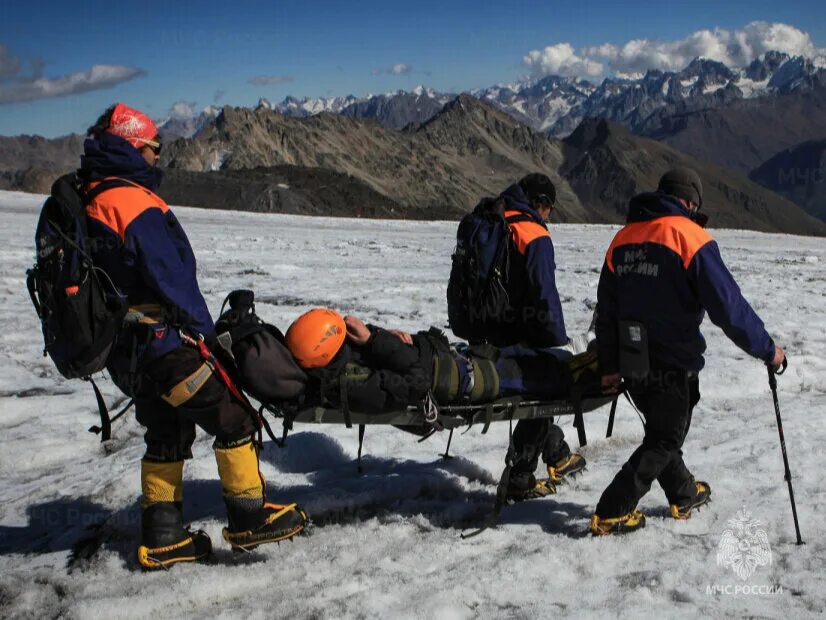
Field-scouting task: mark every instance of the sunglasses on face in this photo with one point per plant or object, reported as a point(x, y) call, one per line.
point(153, 145)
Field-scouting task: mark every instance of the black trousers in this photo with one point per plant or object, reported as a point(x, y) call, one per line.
point(170, 431)
point(666, 399)
point(532, 438)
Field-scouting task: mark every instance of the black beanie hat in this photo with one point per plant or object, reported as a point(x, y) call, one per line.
point(683, 183)
point(538, 188)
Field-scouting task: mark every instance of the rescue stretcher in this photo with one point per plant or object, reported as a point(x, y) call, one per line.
point(451, 417)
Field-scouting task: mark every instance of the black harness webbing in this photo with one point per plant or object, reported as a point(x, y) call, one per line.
point(105, 429)
point(447, 454)
point(488, 417)
point(106, 421)
point(610, 430)
point(345, 405)
point(362, 428)
point(579, 421)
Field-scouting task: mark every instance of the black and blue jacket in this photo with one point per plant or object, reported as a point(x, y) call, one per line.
point(531, 281)
point(665, 271)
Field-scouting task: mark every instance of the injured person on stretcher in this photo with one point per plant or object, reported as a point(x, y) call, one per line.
point(334, 362)
point(380, 370)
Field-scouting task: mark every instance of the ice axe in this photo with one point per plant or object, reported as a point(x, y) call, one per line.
point(773, 372)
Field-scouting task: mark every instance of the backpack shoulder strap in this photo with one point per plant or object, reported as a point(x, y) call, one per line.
point(519, 217)
point(103, 186)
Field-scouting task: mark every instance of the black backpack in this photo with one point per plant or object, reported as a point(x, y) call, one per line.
point(477, 292)
point(264, 366)
point(80, 308)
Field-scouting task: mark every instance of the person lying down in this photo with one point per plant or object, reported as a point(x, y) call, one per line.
point(378, 370)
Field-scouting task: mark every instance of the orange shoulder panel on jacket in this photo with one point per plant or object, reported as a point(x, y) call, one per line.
point(119, 206)
point(525, 232)
point(679, 234)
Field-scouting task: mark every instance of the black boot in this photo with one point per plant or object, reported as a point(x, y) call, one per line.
point(702, 497)
point(165, 541)
point(631, 522)
point(566, 468)
point(265, 524)
point(522, 486)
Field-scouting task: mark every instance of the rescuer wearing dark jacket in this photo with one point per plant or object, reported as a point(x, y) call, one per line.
point(538, 324)
point(663, 272)
point(138, 242)
point(532, 277)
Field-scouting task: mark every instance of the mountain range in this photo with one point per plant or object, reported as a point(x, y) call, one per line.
point(392, 155)
point(558, 104)
point(259, 159)
point(738, 118)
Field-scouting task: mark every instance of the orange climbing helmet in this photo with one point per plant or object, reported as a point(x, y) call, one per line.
point(315, 337)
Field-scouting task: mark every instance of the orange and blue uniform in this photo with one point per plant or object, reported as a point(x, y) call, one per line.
point(138, 241)
point(539, 324)
point(531, 281)
point(665, 271)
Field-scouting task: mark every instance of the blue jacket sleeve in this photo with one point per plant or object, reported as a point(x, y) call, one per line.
point(607, 321)
point(541, 267)
point(725, 304)
point(167, 264)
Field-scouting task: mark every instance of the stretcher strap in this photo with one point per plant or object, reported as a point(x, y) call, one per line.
point(610, 430)
point(345, 405)
point(445, 377)
point(362, 428)
point(488, 417)
point(579, 422)
point(486, 381)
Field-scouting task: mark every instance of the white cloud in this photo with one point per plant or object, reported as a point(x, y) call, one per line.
point(560, 59)
point(182, 109)
point(397, 69)
point(269, 80)
point(96, 78)
point(735, 48)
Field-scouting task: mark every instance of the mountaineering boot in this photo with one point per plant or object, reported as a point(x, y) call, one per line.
point(252, 521)
point(269, 523)
point(634, 520)
point(164, 540)
point(526, 486)
point(703, 497)
point(566, 468)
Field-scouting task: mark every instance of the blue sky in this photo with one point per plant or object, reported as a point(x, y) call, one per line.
point(205, 53)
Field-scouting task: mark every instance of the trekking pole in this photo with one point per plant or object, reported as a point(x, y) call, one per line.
point(788, 474)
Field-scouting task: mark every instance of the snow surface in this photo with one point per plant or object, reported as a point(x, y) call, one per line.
point(386, 544)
